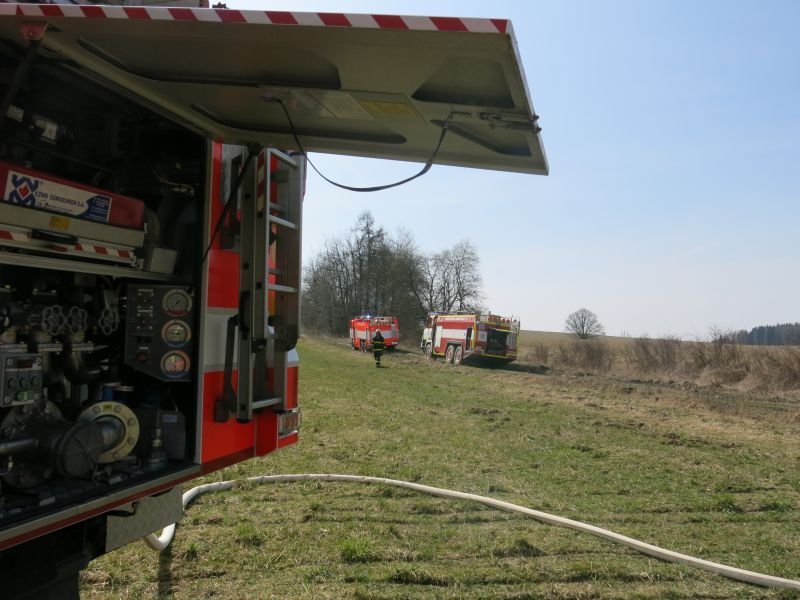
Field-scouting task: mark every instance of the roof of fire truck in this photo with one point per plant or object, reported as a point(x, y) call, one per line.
point(496, 321)
point(365, 85)
point(375, 318)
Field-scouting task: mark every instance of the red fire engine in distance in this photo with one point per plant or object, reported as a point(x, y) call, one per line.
point(471, 337)
point(363, 328)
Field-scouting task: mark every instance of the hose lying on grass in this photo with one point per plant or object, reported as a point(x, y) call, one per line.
point(159, 543)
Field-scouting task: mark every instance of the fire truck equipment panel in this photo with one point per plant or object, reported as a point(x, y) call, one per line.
point(153, 335)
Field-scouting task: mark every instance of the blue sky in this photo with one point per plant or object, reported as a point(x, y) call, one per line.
point(673, 135)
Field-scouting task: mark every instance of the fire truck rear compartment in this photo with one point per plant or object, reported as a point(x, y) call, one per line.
point(97, 337)
point(496, 342)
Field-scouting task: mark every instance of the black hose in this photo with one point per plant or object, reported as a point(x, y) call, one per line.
point(18, 446)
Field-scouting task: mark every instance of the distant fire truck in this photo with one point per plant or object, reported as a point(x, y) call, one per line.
point(477, 337)
point(150, 236)
point(362, 330)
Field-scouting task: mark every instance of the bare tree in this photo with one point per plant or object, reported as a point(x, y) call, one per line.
point(369, 271)
point(465, 268)
point(366, 271)
point(583, 324)
point(452, 279)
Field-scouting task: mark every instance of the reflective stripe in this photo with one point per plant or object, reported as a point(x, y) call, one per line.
point(223, 15)
point(16, 236)
point(215, 330)
point(292, 358)
point(214, 334)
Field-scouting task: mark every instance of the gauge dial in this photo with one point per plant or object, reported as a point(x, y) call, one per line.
point(175, 364)
point(177, 302)
point(176, 333)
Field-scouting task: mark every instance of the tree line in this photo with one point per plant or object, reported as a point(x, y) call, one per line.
point(783, 334)
point(369, 271)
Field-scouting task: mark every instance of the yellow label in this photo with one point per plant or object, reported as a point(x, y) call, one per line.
point(389, 109)
point(59, 223)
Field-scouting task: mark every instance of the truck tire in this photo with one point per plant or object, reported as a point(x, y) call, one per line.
point(448, 355)
point(428, 351)
point(457, 356)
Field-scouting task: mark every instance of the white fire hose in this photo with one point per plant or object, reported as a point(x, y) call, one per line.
point(159, 543)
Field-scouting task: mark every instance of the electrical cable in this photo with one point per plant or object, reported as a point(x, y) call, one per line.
point(376, 188)
point(293, 129)
point(159, 543)
point(229, 202)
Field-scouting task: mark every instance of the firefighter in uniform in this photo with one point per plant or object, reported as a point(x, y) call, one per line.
point(377, 347)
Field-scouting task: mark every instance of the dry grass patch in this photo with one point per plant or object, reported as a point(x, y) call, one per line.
point(720, 362)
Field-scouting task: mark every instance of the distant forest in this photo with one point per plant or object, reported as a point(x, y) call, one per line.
point(784, 334)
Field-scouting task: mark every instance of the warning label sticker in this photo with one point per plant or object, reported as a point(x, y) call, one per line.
point(340, 104)
point(389, 109)
point(321, 103)
point(35, 192)
point(59, 223)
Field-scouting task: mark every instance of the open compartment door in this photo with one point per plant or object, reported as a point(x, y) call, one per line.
point(364, 85)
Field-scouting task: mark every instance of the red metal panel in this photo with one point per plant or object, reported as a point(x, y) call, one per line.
point(229, 442)
point(216, 183)
point(292, 386)
point(223, 265)
point(266, 424)
point(227, 460)
point(223, 279)
point(221, 439)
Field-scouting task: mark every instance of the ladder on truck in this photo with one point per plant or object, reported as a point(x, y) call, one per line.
point(269, 290)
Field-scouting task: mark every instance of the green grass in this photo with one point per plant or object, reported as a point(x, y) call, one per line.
point(706, 475)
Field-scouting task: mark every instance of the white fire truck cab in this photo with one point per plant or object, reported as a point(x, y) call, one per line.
point(150, 236)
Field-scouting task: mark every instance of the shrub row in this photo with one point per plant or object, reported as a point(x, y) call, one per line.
point(721, 360)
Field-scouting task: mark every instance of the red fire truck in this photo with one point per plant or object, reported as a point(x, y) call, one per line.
point(475, 336)
point(363, 328)
point(150, 236)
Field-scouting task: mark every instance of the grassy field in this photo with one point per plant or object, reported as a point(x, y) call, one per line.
point(530, 338)
point(709, 473)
